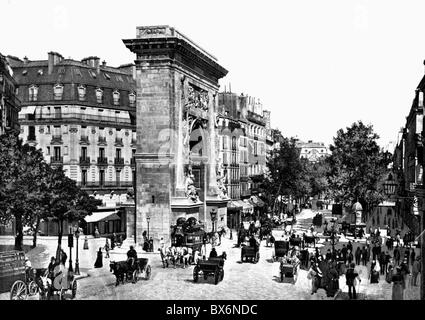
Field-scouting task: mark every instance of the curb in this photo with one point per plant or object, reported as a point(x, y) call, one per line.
point(82, 275)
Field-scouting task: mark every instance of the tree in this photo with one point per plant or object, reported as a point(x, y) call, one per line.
point(22, 168)
point(284, 171)
point(357, 165)
point(315, 173)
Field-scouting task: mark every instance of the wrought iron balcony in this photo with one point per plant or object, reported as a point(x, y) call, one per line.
point(84, 139)
point(118, 142)
point(84, 161)
point(102, 161)
point(56, 160)
point(102, 140)
point(119, 161)
point(57, 139)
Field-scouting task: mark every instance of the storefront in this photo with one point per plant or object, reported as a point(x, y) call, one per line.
point(106, 222)
point(234, 212)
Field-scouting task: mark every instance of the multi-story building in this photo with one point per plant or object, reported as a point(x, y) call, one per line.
point(312, 151)
point(9, 103)
point(81, 114)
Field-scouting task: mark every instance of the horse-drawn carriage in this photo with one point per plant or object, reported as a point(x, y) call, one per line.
point(286, 271)
point(15, 277)
point(210, 267)
point(281, 249)
point(126, 271)
point(250, 252)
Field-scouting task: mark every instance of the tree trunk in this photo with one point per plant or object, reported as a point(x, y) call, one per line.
point(19, 237)
point(34, 239)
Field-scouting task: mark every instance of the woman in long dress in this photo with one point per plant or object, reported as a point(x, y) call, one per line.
point(99, 259)
point(398, 285)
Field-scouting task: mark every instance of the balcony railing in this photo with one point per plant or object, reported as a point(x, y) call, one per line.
point(84, 161)
point(56, 138)
point(105, 184)
point(56, 160)
point(118, 141)
point(83, 117)
point(84, 139)
point(102, 140)
point(119, 161)
point(102, 161)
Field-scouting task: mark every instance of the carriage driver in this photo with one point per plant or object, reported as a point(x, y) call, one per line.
point(131, 257)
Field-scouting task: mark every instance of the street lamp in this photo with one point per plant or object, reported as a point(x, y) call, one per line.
point(77, 264)
point(213, 214)
point(148, 218)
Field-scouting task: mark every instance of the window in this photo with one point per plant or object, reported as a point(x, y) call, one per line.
point(78, 72)
point(255, 149)
point(93, 74)
point(118, 177)
point(58, 92)
point(102, 153)
point(57, 112)
point(107, 76)
point(116, 97)
point(119, 78)
point(102, 177)
point(47, 129)
point(40, 72)
point(99, 95)
point(132, 98)
point(33, 92)
point(48, 151)
point(57, 155)
point(83, 177)
point(31, 133)
point(233, 143)
point(118, 153)
point(84, 153)
point(81, 93)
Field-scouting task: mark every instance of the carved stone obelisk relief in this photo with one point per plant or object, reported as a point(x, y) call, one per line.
point(177, 83)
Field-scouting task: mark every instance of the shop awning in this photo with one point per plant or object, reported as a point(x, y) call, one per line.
point(102, 216)
point(234, 205)
point(27, 110)
point(245, 205)
point(257, 201)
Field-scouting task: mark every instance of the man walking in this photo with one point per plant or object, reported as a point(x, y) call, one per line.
point(396, 254)
point(350, 276)
point(416, 269)
point(364, 256)
point(358, 255)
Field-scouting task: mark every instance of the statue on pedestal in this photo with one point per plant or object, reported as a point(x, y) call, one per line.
point(191, 191)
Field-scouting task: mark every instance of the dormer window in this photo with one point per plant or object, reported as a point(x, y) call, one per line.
point(107, 76)
point(24, 72)
point(40, 72)
point(93, 74)
point(58, 92)
point(81, 93)
point(33, 92)
point(99, 95)
point(132, 99)
point(116, 97)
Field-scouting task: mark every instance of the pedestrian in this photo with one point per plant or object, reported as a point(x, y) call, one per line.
point(404, 267)
point(398, 285)
point(416, 269)
point(374, 272)
point(390, 273)
point(151, 244)
point(381, 260)
point(113, 240)
point(350, 246)
point(350, 256)
point(358, 255)
point(315, 275)
point(162, 243)
point(145, 241)
point(412, 256)
point(387, 261)
point(396, 254)
point(99, 259)
point(364, 256)
point(106, 249)
point(96, 233)
point(86, 243)
point(350, 277)
point(344, 253)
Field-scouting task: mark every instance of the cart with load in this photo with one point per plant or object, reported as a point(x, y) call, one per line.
point(281, 249)
point(210, 267)
point(250, 252)
point(15, 277)
point(286, 270)
point(125, 272)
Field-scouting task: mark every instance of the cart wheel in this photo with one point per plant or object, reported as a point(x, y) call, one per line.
point(135, 276)
point(74, 289)
point(216, 276)
point(222, 275)
point(148, 272)
point(32, 288)
point(195, 274)
point(18, 291)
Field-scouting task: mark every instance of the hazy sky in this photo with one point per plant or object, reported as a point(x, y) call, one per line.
point(317, 65)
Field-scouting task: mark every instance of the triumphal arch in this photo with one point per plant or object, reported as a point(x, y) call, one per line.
point(177, 142)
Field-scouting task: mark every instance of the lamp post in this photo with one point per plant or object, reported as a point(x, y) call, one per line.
point(70, 245)
point(77, 264)
point(148, 218)
point(213, 214)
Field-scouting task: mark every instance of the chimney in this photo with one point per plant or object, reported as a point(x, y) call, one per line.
point(103, 63)
point(53, 59)
point(92, 62)
point(26, 60)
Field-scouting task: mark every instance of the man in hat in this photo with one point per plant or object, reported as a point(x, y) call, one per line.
point(350, 276)
point(416, 269)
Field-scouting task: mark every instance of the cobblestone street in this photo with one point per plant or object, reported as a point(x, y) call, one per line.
point(241, 280)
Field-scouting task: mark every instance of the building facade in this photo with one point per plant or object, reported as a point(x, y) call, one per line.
point(9, 102)
point(312, 151)
point(81, 114)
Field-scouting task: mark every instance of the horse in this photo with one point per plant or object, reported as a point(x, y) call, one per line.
point(309, 240)
point(120, 269)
